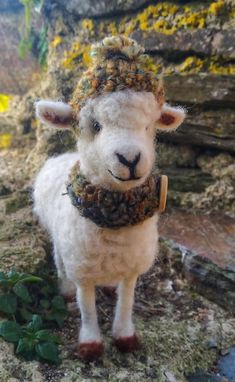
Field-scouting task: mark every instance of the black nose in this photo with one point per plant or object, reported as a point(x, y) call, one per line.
point(130, 164)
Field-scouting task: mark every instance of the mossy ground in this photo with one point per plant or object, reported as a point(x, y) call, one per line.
point(175, 324)
point(176, 330)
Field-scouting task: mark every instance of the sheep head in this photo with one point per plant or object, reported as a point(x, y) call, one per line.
point(115, 111)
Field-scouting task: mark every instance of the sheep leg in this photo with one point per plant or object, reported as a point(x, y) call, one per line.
point(67, 288)
point(90, 342)
point(123, 329)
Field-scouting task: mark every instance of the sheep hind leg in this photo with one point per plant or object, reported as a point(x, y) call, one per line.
point(124, 335)
point(90, 345)
point(66, 287)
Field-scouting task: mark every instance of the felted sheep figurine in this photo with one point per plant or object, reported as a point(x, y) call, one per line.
point(104, 230)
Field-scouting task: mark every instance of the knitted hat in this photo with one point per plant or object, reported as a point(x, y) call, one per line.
point(118, 63)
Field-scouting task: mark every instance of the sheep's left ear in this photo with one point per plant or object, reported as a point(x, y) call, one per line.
point(171, 118)
point(55, 114)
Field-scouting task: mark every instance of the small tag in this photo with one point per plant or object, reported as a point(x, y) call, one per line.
point(163, 193)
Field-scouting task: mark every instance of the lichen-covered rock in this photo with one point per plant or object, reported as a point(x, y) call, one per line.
point(207, 249)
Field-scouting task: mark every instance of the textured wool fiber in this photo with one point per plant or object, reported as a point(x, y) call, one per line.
point(115, 120)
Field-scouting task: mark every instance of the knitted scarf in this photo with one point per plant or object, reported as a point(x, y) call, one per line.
point(115, 209)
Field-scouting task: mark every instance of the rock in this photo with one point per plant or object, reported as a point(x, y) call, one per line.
point(226, 365)
point(170, 377)
point(219, 166)
point(212, 343)
point(89, 8)
point(196, 41)
point(205, 377)
point(205, 124)
point(175, 156)
point(186, 180)
point(218, 197)
point(223, 44)
point(15, 72)
point(212, 128)
point(203, 88)
point(207, 246)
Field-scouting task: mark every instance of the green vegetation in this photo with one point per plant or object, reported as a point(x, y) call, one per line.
point(33, 309)
point(31, 40)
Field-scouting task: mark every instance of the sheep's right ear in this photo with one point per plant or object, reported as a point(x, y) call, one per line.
point(55, 114)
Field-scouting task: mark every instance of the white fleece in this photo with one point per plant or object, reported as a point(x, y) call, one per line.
point(85, 254)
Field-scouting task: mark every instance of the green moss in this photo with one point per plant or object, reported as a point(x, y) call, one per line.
point(21, 258)
point(17, 202)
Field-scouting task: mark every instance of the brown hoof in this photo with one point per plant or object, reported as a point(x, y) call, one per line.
point(127, 344)
point(90, 351)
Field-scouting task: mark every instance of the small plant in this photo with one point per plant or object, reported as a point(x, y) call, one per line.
point(30, 39)
point(33, 308)
point(31, 341)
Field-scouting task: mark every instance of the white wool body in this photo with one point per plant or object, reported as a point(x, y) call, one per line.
point(114, 130)
point(89, 254)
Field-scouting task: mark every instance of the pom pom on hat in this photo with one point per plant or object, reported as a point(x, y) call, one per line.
point(118, 63)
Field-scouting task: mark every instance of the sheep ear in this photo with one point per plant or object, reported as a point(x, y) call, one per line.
point(54, 114)
point(171, 118)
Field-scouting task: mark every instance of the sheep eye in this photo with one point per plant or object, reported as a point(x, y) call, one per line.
point(96, 126)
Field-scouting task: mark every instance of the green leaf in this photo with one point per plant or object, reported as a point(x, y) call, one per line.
point(48, 351)
point(49, 290)
point(29, 278)
point(58, 317)
point(10, 331)
point(24, 345)
point(4, 284)
point(2, 276)
point(25, 314)
point(8, 303)
point(58, 303)
point(13, 275)
point(36, 323)
point(45, 303)
point(43, 335)
point(22, 292)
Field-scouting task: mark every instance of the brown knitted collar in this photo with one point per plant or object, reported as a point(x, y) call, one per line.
point(114, 209)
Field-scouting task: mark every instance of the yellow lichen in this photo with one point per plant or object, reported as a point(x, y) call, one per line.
point(112, 29)
point(191, 64)
point(5, 141)
point(4, 102)
point(57, 40)
point(194, 64)
point(215, 7)
point(166, 18)
point(77, 56)
point(88, 24)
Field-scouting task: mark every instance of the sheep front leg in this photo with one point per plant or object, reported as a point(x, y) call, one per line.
point(123, 329)
point(66, 287)
point(90, 342)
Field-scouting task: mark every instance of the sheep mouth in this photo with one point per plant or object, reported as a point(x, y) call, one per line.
point(124, 180)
